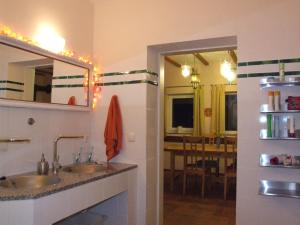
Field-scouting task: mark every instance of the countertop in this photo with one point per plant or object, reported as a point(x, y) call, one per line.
point(68, 180)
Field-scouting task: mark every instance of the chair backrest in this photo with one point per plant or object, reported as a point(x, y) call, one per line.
point(230, 147)
point(211, 138)
point(194, 152)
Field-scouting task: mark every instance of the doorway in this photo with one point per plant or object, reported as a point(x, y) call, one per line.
point(156, 62)
point(200, 95)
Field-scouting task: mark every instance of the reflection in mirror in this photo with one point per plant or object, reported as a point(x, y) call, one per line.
point(31, 77)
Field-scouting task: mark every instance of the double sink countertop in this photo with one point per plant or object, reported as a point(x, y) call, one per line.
point(68, 180)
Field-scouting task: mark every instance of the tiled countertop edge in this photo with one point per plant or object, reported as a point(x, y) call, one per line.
point(68, 186)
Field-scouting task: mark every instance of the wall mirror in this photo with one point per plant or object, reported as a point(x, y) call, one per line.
point(30, 74)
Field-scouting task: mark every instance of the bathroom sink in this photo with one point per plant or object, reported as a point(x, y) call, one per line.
point(29, 181)
point(85, 168)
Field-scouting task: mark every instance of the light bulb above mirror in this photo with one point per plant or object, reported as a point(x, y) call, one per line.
point(47, 38)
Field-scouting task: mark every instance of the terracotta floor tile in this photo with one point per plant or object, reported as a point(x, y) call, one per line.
point(193, 210)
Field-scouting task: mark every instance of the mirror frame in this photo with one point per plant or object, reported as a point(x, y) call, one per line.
point(42, 52)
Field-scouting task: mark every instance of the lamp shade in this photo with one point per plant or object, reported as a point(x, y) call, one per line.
point(227, 71)
point(185, 70)
point(225, 68)
point(195, 81)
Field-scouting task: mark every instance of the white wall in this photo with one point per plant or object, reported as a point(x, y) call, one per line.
point(264, 29)
point(123, 30)
point(24, 17)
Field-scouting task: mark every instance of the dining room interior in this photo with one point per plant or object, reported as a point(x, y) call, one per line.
point(200, 137)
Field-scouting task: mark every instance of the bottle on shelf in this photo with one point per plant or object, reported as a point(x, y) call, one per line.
point(269, 125)
point(285, 128)
point(271, 100)
point(277, 101)
point(276, 126)
point(291, 131)
point(281, 72)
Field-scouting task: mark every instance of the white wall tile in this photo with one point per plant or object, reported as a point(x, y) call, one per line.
point(21, 212)
point(4, 212)
point(22, 157)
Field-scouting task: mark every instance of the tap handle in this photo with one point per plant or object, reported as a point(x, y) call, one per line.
point(90, 157)
point(56, 167)
point(77, 157)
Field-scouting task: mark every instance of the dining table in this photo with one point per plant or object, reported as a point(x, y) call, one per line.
point(210, 151)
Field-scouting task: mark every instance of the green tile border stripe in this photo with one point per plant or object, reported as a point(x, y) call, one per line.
point(265, 62)
point(270, 74)
point(11, 89)
point(155, 83)
point(10, 82)
point(67, 85)
point(68, 77)
point(126, 73)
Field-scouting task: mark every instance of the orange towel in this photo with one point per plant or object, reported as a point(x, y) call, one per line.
point(113, 133)
point(72, 100)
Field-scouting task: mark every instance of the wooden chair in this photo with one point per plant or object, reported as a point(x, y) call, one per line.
point(211, 138)
point(230, 145)
point(211, 162)
point(192, 154)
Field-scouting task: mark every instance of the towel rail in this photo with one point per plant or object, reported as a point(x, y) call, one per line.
point(14, 140)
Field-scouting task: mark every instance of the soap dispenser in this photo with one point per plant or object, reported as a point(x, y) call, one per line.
point(43, 166)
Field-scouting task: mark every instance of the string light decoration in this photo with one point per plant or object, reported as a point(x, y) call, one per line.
point(96, 88)
point(95, 77)
point(8, 32)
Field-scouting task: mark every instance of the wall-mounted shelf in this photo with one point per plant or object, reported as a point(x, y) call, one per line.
point(279, 189)
point(265, 161)
point(264, 109)
point(289, 111)
point(263, 136)
point(280, 138)
point(275, 82)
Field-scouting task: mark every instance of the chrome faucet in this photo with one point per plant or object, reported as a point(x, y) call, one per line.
point(56, 165)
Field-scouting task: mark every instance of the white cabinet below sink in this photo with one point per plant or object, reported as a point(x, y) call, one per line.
point(52, 208)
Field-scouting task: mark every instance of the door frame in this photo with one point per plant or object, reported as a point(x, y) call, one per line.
point(155, 63)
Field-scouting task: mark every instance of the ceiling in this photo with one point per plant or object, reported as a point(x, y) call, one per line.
point(206, 57)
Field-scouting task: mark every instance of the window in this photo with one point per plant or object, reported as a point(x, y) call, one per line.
point(181, 110)
point(230, 111)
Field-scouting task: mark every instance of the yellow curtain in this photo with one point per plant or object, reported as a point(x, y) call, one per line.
point(198, 111)
point(218, 110)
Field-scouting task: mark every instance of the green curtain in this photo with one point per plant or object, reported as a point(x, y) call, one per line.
point(198, 111)
point(218, 110)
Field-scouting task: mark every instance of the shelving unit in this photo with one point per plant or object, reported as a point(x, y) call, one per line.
point(279, 188)
point(271, 82)
point(267, 187)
